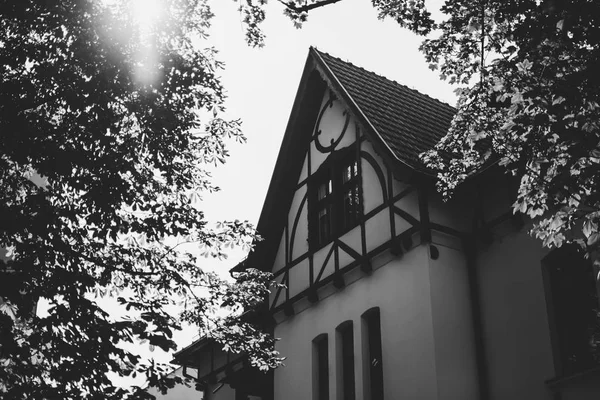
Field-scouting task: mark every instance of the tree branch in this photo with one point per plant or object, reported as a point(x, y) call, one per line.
point(305, 8)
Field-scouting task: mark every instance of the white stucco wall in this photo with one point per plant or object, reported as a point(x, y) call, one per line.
point(372, 187)
point(423, 358)
point(456, 212)
point(299, 245)
point(331, 126)
point(515, 323)
point(451, 313)
point(396, 291)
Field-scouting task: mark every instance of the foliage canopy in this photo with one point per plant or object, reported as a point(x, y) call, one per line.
point(527, 77)
point(108, 126)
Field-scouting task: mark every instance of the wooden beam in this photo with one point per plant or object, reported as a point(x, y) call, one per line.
point(407, 235)
point(424, 215)
point(307, 7)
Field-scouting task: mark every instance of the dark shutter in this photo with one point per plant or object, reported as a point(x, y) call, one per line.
point(374, 361)
point(346, 335)
point(321, 374)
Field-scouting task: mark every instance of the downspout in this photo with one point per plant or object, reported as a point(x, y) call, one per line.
point(480, 358)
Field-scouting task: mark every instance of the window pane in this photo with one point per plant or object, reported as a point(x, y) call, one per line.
point(324, 190)
point(324, 224)
point(351, 207)
point(335, 194)
point(349, 172)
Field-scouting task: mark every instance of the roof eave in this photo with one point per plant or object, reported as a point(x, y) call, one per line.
point(277, 194)
point(179, 358)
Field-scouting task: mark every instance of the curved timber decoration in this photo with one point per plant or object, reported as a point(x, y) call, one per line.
point(391, 215)
point(334, 142)
point(371, 160)
point(296, 220)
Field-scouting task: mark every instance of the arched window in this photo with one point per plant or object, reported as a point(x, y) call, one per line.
point(334, 198)
point(321, 367)
point(345, 361)
point(372, 355)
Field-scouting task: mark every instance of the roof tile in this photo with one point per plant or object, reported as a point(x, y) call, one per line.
point(408, 121)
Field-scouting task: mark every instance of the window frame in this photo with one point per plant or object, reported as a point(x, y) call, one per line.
point(321, 379)
point(373, 374)
point(331, 174)
point(557, 310)
point(346, 376)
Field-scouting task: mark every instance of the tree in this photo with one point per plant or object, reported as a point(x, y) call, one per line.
point(108, 125)
point(529, 92)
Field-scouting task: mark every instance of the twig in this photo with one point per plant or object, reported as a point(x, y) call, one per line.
point(307, 7)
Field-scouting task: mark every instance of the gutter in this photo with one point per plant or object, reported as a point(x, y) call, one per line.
point(476, 316)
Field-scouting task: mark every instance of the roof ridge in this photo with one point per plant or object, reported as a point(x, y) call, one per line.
point(386, 78)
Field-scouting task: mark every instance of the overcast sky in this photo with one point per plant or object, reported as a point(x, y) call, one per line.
point(262, 83)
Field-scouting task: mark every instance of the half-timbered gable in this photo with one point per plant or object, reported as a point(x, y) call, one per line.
point(356, 195)
point(388, 291)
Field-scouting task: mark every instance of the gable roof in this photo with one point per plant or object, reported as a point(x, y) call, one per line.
point(407, 121)
point(400, 122)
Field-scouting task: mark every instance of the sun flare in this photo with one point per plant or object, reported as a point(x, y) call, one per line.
point(146, 12)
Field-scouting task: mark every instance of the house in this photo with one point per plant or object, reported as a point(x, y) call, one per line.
point(392, 293)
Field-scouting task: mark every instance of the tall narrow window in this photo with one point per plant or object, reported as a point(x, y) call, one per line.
point(334, 202)
point(345, 358)
point(373, 363)
point(323, 209)
point(350, 196)
point(321, 368)
point(573, 310)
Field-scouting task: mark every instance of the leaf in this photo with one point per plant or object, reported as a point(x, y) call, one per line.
point(516, 98)
point(593, 239)
point(524, 65)
point(587, 228)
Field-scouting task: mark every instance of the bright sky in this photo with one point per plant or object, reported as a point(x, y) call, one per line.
point(262, 84)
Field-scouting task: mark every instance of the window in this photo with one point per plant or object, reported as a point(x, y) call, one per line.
point(345, 357)
point(321, 368)
point(572, 300)
point(335, 205)
point(373, 363)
